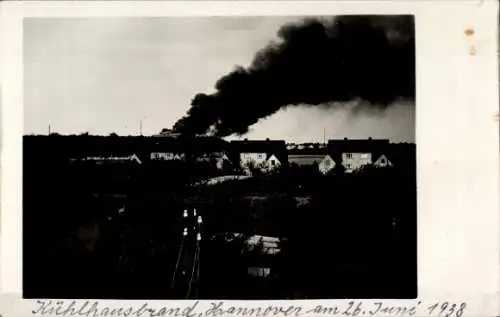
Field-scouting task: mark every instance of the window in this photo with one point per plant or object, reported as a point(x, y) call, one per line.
point(364, 156)
point(382, 160)
point(349, 155)
point(273, 162)
point(327, 163)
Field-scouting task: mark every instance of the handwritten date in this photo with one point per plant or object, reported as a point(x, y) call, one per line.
point(359, 309)
point(447, 309)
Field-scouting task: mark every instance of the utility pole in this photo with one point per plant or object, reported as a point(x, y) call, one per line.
point(49, 129)
point(188, 259)
point(140, 125)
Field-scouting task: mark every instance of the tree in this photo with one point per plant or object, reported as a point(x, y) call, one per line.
point(339, 169)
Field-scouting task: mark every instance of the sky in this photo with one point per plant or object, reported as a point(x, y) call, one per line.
point(105, 75)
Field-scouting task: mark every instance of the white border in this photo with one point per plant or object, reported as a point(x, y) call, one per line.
point(457, 137)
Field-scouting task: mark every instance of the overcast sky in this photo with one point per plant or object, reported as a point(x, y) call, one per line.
point(104, 75)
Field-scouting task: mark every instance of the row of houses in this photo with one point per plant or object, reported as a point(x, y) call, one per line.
point(248, 155)
point(269, 155)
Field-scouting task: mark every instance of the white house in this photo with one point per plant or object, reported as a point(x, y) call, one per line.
point(264, 155)
point(270, 245)
point(253, 159)
point(100, 159)
point(356, 153)
point(326, 165)
point(355, 160)
point(167, 156)
point(272, 163)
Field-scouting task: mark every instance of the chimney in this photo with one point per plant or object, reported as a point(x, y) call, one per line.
point(369, 138)
point(345, 138)
point(267, 139)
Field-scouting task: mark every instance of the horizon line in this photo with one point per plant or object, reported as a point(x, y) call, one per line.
point(221, 138)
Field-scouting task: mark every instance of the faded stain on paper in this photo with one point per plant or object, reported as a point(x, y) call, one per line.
point(469, 32)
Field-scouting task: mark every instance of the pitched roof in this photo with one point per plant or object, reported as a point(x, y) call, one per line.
point(378, 160)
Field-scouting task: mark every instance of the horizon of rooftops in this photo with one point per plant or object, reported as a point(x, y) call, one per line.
point(306, 143)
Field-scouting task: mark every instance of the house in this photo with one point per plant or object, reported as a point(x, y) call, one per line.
point(167, 156)
point(113, 159)
point(355, 153)
point(326, 165)
point(272, 163)
point(217, 160)
point(166, 149)
point(269, 245)
point(264, 155)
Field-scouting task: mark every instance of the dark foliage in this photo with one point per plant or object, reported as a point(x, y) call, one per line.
point(338, 238)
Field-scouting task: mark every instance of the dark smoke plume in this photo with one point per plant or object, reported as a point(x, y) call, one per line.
point(315, 62)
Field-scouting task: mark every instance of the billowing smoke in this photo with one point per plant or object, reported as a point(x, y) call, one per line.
point(317, 62)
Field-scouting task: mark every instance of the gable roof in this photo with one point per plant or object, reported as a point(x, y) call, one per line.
point(327, 157)
point(271, 156)
point(377, 160)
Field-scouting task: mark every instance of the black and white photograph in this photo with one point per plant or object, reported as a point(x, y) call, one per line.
point(219, 157)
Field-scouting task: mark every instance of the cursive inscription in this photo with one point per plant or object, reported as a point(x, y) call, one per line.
point(358, 308)
point(93, 309)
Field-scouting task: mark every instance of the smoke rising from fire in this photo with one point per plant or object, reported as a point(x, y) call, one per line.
point(317, 62)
